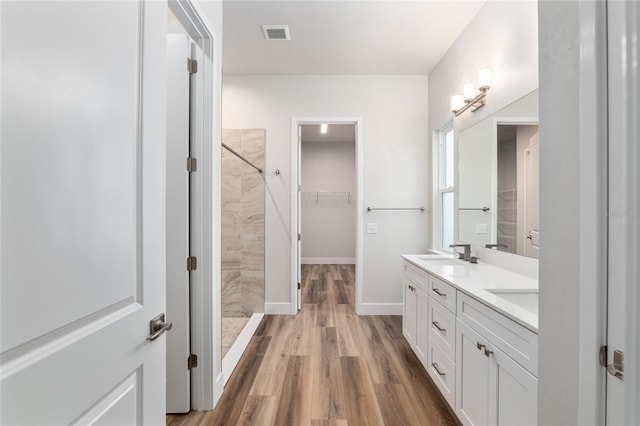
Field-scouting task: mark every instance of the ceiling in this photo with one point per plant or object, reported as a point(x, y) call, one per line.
point(342, 37)
point(335, 133)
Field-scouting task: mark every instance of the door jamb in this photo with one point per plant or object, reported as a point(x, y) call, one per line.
point(206, 380)
point(295, 122)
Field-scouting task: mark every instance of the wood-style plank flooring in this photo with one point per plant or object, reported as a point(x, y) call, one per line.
point(327, 366)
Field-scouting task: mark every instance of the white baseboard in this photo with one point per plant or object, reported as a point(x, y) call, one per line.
point(278, 308)
point(232, 357)
point(328, 260)
point(380, 309)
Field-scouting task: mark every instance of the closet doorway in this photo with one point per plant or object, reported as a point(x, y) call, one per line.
point(326, 212)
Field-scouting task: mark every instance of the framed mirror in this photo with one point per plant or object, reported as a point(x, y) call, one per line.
point(497, 203)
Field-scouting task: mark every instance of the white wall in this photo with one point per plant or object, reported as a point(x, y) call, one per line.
point(395, 155)
point(573, 238)
point(503, 37)
point(328, 216)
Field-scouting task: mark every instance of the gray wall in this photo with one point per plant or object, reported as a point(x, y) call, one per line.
point(328, 219)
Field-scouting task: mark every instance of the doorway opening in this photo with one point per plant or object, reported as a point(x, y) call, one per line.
point(327, 215)
point(327, 204)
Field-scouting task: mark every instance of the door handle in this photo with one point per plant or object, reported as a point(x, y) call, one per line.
point(157, 327)
point(438, 292)
point(617, 368)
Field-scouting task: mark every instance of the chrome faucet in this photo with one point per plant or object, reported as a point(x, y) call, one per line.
point(467, 250)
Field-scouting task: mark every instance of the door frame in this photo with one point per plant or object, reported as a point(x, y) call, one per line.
point(295, 169)
point(206, 379)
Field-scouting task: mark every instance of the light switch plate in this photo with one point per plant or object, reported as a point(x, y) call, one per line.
point(481, 228)
point(372, 228)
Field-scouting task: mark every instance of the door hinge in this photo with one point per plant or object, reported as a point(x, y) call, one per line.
point(192, 66)
point(192, 263)
point(192, 164)
point(299, 237)
point(192, 361)
point(299, 188)
point(603, 355)
point(299, 286)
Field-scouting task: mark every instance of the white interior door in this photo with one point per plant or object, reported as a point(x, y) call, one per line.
point(178, 341)
point(299, 194)
point(623, 318)
point(83, 212)
point(532, 199)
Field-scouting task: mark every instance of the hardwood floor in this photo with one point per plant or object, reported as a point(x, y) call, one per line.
point(327, 366)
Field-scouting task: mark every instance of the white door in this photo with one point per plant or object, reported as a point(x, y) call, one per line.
point(299, 193)
point(623, 380)
point(532, 203)
point(83, 212)
point(178, 341)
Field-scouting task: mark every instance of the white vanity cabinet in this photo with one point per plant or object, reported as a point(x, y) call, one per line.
point(491, 387)
point(415, 310)
point(483, 362)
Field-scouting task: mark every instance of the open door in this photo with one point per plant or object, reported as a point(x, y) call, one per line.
point(299, 194)
point(83, 213)
point(178, 125)
point(623, 214)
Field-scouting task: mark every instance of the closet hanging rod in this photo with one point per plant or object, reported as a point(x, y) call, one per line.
point(231, 150)
point(395, 208)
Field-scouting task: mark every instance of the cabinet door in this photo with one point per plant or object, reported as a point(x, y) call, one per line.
point(422, 325)
point(513, 392)
point(472, 376)
point(409, 312)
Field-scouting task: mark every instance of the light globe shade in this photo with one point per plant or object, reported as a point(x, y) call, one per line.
point(484, 78)
point(469, 91)
point(456, 102)
point(324, 128)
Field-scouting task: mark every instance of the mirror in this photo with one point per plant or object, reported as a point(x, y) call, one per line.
point(498, 180)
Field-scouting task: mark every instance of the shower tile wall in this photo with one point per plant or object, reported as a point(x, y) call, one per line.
point(242, 224)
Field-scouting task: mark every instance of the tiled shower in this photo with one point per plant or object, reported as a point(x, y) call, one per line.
point(242, 231)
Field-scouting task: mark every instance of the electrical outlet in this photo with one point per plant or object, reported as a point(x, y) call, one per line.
point(481, 228)
point(372, 228)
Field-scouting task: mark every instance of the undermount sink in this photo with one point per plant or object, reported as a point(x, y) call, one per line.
point(525, 298)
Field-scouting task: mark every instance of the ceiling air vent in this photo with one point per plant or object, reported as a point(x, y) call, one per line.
point(276, 32)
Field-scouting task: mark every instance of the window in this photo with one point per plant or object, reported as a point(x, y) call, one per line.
point(444, 188)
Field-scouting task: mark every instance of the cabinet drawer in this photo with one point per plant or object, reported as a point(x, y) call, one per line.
point(443, 372)
point(416, 275)
point(442, 328)
point(443, 293)
point(518, 342)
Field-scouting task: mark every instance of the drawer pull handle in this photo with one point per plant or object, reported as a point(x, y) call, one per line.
point(439, 293)
point(436, 325)
point(480, 346)
point(435, 367)
point(488, 353)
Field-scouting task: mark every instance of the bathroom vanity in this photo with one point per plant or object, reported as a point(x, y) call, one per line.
point(474, 327)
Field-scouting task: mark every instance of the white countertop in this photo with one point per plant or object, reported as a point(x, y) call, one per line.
point(476, 279)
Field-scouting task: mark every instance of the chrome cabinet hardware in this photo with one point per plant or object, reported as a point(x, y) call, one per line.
point(487, 352)
point(617, 368)
point(480, 346)
point(436, 325)
point(157, 327)
point(439, 293)
point(435, 367)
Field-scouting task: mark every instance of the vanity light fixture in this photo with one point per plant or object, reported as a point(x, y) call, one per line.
point(472, 100)
point(323, 128)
